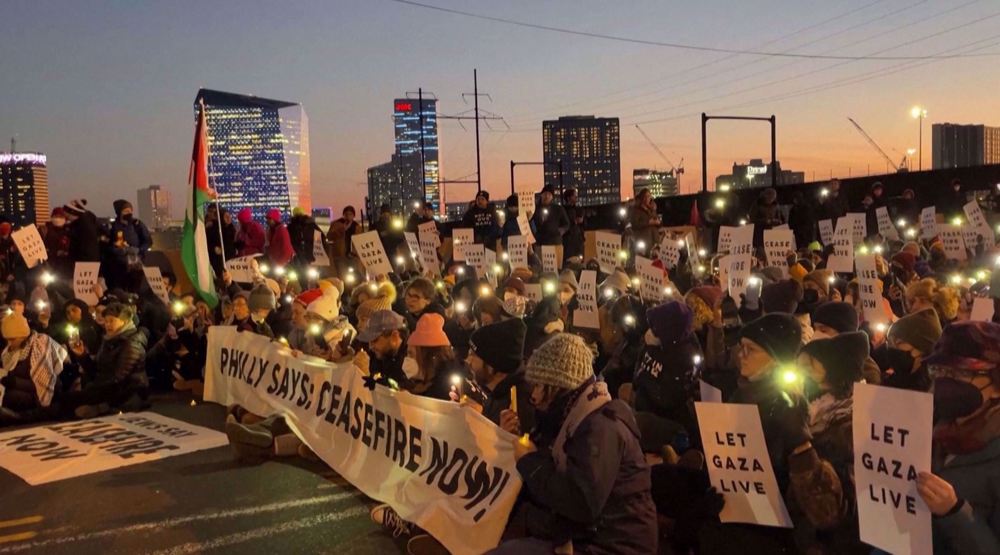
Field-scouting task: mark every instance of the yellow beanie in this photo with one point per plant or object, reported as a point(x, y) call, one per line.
point(14, 326)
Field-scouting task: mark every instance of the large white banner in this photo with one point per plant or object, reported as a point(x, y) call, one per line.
point(441, 466)
point(738, 464)
point(892, 443)
point(49, 453)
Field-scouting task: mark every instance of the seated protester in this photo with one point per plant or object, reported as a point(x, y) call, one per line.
point(430, 362)
point(910, 339)
point(623, 325)
point(719, 367)
point(115, 376)
point(495, 354)
point(462, 323)
point(420, 298)
point(667, 371)
point(80, 322)
point(298, 336)
point(832, 368)
point(963, 493)
point(384, 296)
point(488, 310)
point(29, 375)
point(586, 485)
point(833, 318)
point(568, 284)
point(243, 319)
point(615, 285)
point(262, 302)
point(543, 324)
point(767, 344)
point(186, 348)
point(329, 335)
point(385, 335)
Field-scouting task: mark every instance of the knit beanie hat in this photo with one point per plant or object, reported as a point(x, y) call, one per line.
point(121, 204)
point(13, 326)
point(273, 286)
point(308, 296)
point(429, 332)
point(298, 211)
point(511, 201)
point(779, 334)
point(771, 274)
point(798, 272)
point(500, 345)
point(840, 316)
point(327, 306)
point(77, 207)
point(564, 361)
point(382, 300)
point(567, 277)
point(670, 322)
point(516, 284)
point(261, 297)
point(58, 212)
point(843, 357)
point(244, 216)
point(548, 310)
point(617, 281)
point(274, 214)
point(920, 329)
point(906, 260)
point(783, 296)
point(821, 278)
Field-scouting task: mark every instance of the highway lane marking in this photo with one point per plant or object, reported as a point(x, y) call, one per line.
point(260, 533)
point(18, 537)
point(177, 521)
point(21, 521)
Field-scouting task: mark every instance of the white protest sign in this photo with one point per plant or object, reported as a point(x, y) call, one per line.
point(30, 245)
point(475, 256)
point(982, 309)
point(725, 243)
point(868, 287)
point(777, 244)
point(84, 280)
point(241, 269)
point(320, 258)
point(977, 221)
point(155, 280)
point(709, 393)
point(608, 247)
point(859, 226)
point(550, 258)
point(430, 230)
point(525, 227)
point(585, 315)
point(738, 464)
point(440, 465)
point(369, 247)
point(525, 203)
point(892, 443)
point(742, 241)
point(533, 291)
point(738, 275)
point(413, 244)
point(517, 251)
point(670, 251)
point(826, 231)
point(842, 259)
point(928, 223)
point(885, 226)
point(461, 238)
point(59, 451)
point(954, 243)
point(652, 280)
point(489, 263)
point(429, 254)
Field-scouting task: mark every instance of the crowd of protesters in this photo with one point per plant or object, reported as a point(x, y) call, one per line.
point(614, 462)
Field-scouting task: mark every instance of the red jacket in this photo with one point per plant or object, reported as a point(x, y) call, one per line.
point(250, 238)
point(279, 245)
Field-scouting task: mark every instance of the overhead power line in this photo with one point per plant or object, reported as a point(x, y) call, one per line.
point(680, 46)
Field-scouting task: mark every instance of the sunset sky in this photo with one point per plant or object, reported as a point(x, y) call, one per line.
point(105, 89)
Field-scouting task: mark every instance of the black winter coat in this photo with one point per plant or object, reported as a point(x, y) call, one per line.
point(551, 223)
point(666, 381)
point(84, 239)
point(120, 361)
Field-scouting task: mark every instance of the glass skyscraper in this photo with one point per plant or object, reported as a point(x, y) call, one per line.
point(24, 187)
point(258, 152)
point(588, 149)
point(398, 182)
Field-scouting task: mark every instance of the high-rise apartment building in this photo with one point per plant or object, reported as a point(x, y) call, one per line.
point(24, 187)
point(586, 151)
point(959, 146)
point(660, 183)
point(154, 207)
point(258, 152)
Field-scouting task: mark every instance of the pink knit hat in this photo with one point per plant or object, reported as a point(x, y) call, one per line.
point(429, 332)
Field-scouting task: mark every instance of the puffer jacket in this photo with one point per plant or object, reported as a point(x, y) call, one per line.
point(603, 497)
point(120, 361)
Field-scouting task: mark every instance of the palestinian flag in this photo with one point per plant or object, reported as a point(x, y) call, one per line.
point(194, 245)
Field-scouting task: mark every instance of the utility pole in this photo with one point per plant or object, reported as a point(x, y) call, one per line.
point(476, 116)
point(423, 163)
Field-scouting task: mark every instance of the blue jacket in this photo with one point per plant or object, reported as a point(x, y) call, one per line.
point(135, 233)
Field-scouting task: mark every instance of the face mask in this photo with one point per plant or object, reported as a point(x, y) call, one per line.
point(565, 297)
point(58, 222)
point(955, 399)
point(410, 367)
point(900, 361)
point(508, 296)
point(127, 217)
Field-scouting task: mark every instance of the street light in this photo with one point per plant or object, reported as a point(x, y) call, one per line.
point(919, 113)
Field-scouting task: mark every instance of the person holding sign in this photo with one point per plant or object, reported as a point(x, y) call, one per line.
point(963, 491)
point(550, 220)
point(483, 220)
point(586, 479)
point(908, 341)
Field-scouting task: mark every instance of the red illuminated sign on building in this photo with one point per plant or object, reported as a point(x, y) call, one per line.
point(404, 106)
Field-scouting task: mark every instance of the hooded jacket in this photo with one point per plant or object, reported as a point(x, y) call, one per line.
point(302, 232)
point(279, 246)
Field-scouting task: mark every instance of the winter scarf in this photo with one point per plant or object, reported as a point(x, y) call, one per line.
point(827, 410)
point(589, 398)
point(45, 357)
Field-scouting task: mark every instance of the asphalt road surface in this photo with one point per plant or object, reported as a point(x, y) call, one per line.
point(203, 502)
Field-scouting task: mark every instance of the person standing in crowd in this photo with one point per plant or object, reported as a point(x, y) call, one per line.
point(483, 220)
point(220, 245)
point(951, 201)
point(250, 238)
point(834, 205)
point(279, 245)
point(129, 240)
point(339, 237)
point(510, 223)
point(84, 232)
point(573, 238)
point(907, 207)
point(57, 241)
point(644, 221)
point(802, 219)
point(586, 481)
point(114, 378)
point(302, 231)
point(29, 375)
point(10, 258)
point(908, 341)
point(550, 220)
point(423, 212)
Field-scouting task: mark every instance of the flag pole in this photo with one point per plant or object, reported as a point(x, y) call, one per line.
point(218, 205)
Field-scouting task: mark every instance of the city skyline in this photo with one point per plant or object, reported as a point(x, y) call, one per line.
point(112, 112)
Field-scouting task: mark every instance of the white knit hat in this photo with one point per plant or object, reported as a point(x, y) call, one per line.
point(327, 306)
point(563, 361)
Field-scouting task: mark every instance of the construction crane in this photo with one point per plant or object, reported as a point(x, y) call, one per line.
point(678, 170)
point(889, 163)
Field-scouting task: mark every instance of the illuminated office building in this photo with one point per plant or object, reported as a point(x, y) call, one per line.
point(24, 188)
point(154, 207)
point(397, 183)
point(659, 183)
point(588, 150)
point(258, 152)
